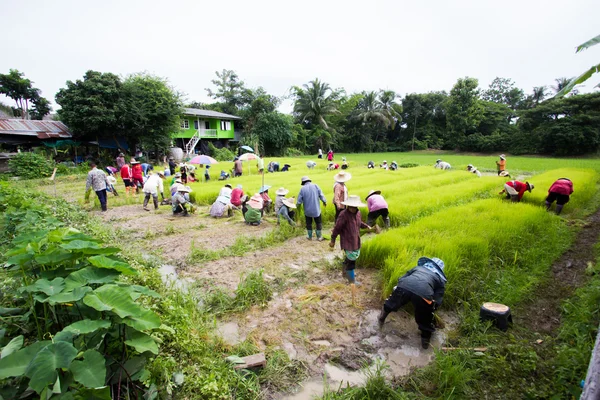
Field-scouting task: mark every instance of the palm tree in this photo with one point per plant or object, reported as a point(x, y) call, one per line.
point(370, 109)
point(315, 101)
point(539, 93)
point(389, 106)
point(561, 83)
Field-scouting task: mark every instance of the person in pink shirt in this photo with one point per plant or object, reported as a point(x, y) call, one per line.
point(560, 191)
point(378, 207)
point(236, 196)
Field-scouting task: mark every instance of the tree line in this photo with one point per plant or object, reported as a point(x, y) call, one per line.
point(144, 110)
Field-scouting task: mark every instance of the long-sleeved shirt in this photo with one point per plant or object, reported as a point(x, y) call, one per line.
point(120, 162)
point(519, 186)
point(225, 191)
point(309, 196)
point(154, 184)
point(236, 196)
point(278, 203)
point(284, 212)
point(562, 186)
point(252, 215)
point(125, 172)
point(425, 283)
point(136, 172)
point(237, 166)
point(265, 197)
point(501, 165)
point(340, 193)
point(96, 179)
point(179, 199)
point(145, 168)
point(348, 227)
point(443, 165)
point(376, 202)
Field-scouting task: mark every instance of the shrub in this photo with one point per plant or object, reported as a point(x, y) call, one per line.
point(222, 154)
point(408, 165)
point(292, 152)
point(30, 166)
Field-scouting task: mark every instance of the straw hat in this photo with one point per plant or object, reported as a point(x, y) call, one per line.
point(132, 161)
point(304, 179)
point(502, 156)
point(291, 202)
point(372, 192)
point(178, 175)
point(161, 174)
point(264, 188)
point(185, 189)
point(256, 202)
point(385, 162)
point(282, 191)
point(438, 160)
point(529, 186)
point(353, 201)
point(342, 177)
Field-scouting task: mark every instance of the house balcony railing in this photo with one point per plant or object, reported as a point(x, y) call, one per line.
point(207, 133)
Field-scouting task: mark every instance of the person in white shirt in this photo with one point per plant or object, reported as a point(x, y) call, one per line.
point(153, 185)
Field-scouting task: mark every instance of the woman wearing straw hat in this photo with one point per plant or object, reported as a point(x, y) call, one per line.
point(340, 191)
point(179, 201)
point(253, 213)
point(287, 211)
point(348, 228)
point(309, 196)
point(279, 197)
point(378, 207)
point(501, 165)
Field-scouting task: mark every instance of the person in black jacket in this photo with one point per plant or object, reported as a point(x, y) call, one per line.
point(424, 287)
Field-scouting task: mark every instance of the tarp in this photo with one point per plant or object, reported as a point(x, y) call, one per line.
point(62, 143)
point(110, 144)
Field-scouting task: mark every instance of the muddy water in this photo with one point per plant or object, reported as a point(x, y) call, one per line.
point(230, 333)
point(169, 276)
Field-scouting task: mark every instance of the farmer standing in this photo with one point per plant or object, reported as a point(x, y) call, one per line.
point(340, 191)
point(559, 192)
point(96, 179)
point(501, 164)
point(172, 165)
point(237, 167)
point(309, 195)
point(137, 175)
point(260, 164)
point(378, 207)
point(348, 227)
point(424, 287)
point(126, 175)
point(515, 190)
point(330, 155)
point(153, 186)
point(120, 160)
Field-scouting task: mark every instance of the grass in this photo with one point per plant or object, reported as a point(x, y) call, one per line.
point(252, 290)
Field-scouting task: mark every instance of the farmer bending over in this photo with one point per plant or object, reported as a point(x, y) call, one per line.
point(179, 201)
point(424, 287)
point(559, 192)
point(378, 207)
point(515, 190)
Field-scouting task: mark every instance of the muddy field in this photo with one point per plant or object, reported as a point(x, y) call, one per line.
point(316, 317)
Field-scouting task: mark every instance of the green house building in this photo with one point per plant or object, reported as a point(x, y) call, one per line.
point(198, 127)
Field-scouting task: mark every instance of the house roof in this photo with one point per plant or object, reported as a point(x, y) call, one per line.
point(40, 129)
point(208, 113)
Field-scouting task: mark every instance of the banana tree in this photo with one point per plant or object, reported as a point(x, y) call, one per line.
point(587, 74)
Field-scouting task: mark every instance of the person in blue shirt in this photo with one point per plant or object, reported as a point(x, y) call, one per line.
point(309, 196)
point(146, 167)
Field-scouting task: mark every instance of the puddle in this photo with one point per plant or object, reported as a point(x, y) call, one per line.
point(169, 276)
point(230, 333)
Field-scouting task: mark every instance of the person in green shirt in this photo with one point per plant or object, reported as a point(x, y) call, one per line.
point(260, 164)
point(252, 209)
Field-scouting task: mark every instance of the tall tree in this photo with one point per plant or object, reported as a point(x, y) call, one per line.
point(314, 101)
point(230, 90)
point(504, 91)
point(15, 86)
point(561, 83)
point(587, 74)
point(390, 107)
point(274, 131)
point(539, 94)
point(464, 111)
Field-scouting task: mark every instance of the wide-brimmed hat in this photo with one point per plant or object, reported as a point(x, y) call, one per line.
point(133, 161)
point(342, 177)
point(394, 162)
point(185, 189)
point(256, 202)
point(438, 160)
point(470, 166)
point(282, 191)
point(264, 188)
point(502, 156)
point(121, 155)
point(291, 202)
point(529, 186)
point(353, 201)
point(178, 175)
point(304, 179)
point(439, 265)
point(161, 174)
point(372, 192)
point(228, 185)
point(385, 162)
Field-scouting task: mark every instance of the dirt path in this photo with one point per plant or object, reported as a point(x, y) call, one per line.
point(568, 273)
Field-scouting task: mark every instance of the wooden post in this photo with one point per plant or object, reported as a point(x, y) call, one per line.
point(53, 181)
point(591, 389)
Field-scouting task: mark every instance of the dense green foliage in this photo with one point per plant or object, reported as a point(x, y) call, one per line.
point(30, 165)
point(15, 86)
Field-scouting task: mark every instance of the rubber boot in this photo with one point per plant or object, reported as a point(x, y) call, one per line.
point(146, 198)
point(309, 234)
point(559, 208)
point(319, 236)
point(155, 200)
point(548, 204)
point(382, 316)
point(425, 342)
point(350, 276)
point(387, 222)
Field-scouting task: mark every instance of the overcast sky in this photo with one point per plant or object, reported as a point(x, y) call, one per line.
point(416, 46)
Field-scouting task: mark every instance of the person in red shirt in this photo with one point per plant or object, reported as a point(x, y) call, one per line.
point(236, 196)
point(127, 179)
point(137, 174)
point(515, 189)
point(559, 192)
point(348, 227)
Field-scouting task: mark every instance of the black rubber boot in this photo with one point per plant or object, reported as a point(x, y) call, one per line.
point(425, 342)
point(559, 208)
point(382, 316)
point(548, 204)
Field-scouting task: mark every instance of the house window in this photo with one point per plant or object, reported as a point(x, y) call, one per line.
point(225, 125)
point(185, 124)
point(206, 125)
point(196, 124)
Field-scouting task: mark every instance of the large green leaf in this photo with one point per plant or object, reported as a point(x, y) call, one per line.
point(93, 394)
point(20, 259)
point(107, 262)
point(90, 275)
point(12, 346)
point(16, 363)
point(578, 80)
point(10, 311)
point(589, 43)
point(87, 326)
point(144, 321)
point(113, 298)
point(55, 256)
point(69, 297)
point(43, 285)
point(42, 369)
point(88, 247)
point(141, 342)
point(91, 372)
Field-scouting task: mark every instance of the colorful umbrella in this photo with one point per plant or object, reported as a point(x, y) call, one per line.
point(247, 148)
point(247, 157)
point(203, 159)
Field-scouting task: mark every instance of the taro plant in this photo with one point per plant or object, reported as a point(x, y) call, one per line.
point(75, 330)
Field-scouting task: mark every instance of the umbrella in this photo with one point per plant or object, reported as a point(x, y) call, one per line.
point(202, 159)
point(248, 148)
point(247, 157)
